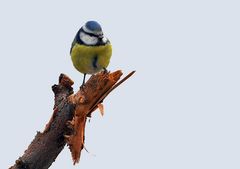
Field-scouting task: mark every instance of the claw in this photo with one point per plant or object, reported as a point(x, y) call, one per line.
point(105, 70)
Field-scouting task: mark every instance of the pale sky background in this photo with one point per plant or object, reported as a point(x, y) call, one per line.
point(179, 111)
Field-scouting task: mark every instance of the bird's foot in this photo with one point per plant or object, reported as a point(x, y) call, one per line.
point(105, 70)
point(83, 83)
point(82, 87)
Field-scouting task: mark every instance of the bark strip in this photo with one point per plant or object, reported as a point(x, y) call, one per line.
point(67, 124)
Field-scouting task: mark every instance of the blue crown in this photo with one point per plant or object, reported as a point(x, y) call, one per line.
point(93, 26)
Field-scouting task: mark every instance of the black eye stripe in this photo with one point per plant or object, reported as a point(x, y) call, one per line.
point(90, 34)
point(99, 43)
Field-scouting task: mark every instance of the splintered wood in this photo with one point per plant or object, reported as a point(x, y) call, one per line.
point(86, 100)
point(68, 119)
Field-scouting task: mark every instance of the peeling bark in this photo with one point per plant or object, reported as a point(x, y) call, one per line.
point(67, 124)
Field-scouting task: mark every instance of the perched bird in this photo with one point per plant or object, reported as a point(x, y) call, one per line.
point(91, 50)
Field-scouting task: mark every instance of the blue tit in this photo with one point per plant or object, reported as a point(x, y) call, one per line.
point(91, 50)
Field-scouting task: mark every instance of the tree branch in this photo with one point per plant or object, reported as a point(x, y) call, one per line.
point(67, 124)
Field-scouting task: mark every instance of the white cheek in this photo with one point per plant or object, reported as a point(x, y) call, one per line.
point(89, 40)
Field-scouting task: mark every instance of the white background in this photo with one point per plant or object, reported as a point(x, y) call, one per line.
point(179, 111)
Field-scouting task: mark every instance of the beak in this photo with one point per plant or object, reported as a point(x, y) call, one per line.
point(101, 35)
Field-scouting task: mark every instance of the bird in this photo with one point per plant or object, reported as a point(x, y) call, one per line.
point(91, 50)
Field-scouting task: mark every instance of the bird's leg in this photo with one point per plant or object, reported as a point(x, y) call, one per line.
point(83, 83)
point(105, 70)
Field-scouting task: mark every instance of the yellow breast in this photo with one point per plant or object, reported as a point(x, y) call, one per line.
point(91, 59)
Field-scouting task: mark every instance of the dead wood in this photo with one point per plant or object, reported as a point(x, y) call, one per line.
point(67, 124)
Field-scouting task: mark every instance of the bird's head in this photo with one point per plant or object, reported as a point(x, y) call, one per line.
point(91, 34)
point(93, 27)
